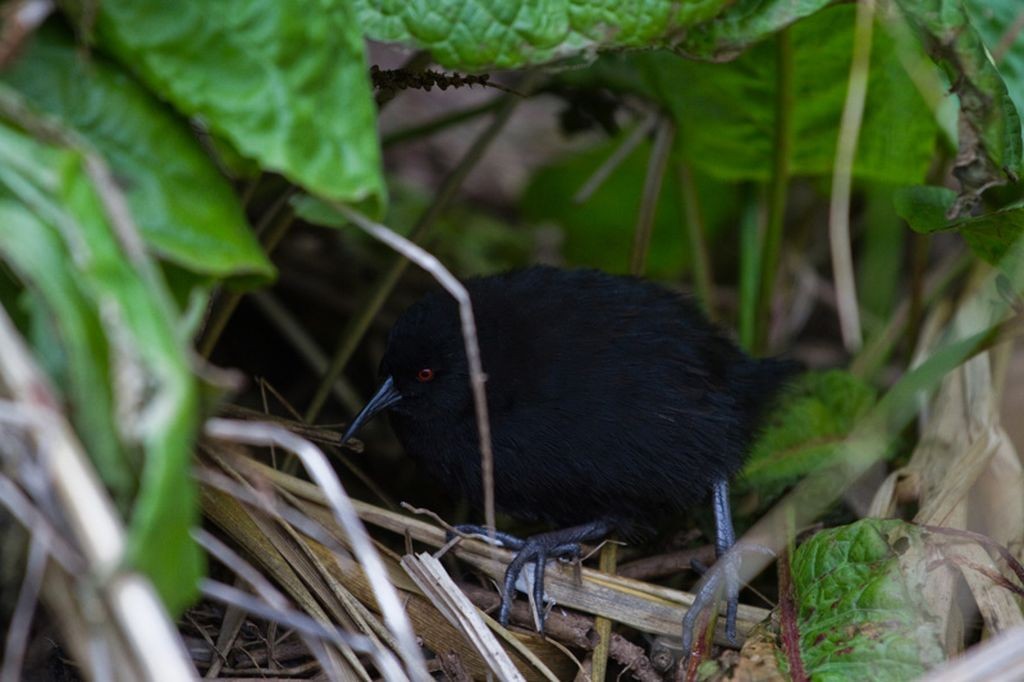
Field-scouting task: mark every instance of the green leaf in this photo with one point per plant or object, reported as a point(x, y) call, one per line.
point(67, 323)
point(744, 22)
point(997, 23)
point(285, 81)
point(924, 207)
point(990, 125)
point(991, 236)
point(154, 393)
point(806, 431)
point(481, 34)
point(185, 210)
point(861, 614)
point(726, 112)
point(995, 236)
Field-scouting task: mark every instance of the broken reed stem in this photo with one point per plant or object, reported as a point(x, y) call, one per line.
point(842, 177)
point(649, 199)
point(356, 328)
point(453, 286)
point(603, 626)
point(782, 151)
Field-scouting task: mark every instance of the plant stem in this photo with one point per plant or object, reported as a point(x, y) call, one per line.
point(842, 177)
point(778, 188)
point(750, 262)
point(703, 278)
point(656, 165)
point(602, 625)
point(440, 123)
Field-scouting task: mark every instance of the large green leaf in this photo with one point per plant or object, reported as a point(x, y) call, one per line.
point(285, 81)
point(492, 33)
point(185, 209)
point(742, 24)
point(154, 393)
point(997, 22)
point(726, 112)
point(993, 236)
point(990, 125)
point(62, 311)
point(861, 614)
point(807, 430)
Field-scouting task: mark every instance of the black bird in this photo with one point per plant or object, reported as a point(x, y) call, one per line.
point(612, 400)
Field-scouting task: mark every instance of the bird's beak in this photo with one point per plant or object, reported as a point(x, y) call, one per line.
point(386, 396)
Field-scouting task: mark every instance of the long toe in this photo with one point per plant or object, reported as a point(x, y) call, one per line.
point(732, 595)
point(500, 539)
point(705, 598)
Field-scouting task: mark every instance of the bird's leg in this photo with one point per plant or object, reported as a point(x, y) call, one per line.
point(557, 544)
point(725, 569)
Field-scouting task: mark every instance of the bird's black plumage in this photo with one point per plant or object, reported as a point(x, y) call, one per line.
point(611, 399)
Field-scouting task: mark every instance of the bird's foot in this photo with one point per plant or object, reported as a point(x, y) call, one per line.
point(536, 550)
point(562, 544)
point(723, 575)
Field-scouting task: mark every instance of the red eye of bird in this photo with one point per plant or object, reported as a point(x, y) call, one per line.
point(424, 375)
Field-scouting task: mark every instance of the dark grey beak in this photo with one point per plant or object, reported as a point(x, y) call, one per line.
point(386, 396)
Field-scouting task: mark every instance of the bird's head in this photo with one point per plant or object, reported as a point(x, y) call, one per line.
point(424, 371)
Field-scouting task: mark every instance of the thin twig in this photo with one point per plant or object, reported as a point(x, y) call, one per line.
point(453, 286)
point(22, 509)
point(440, 123)
point(319, 469)
point(842, 177)
point(656, 165)
point(616, 158)
point(19, 21)
point(273, 602)
point(356, 328)
point(314, 631)
point(307, 347)
point(28, 598)
point(1008, 38)
point(788, 631)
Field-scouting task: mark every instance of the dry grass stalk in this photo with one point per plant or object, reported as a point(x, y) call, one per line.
point(644, 606)
point(319, 469)
point(433, 580)
point(296, 562)
point(136, 631)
